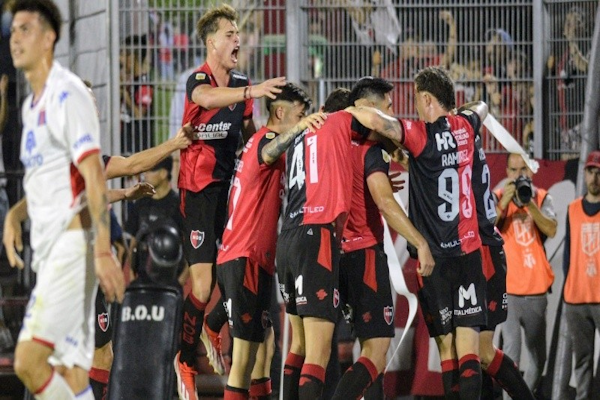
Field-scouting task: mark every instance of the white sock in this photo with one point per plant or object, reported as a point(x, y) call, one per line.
point(55, 389)
point(86, 394)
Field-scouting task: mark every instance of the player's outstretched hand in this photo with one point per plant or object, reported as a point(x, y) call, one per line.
point(110, 276)
point(139, 190)
point(396, 182)
point(426, 262)
point(184, 137)
point(312, 121)
point(269, 88)
point(13, 240)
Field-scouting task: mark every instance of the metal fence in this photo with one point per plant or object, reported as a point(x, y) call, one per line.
point(491, 48)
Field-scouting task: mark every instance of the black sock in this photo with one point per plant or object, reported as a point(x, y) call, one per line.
point(470, 377)
point(487, 387)
point(217, 317)
point(450, 379)
point(375, 391)
point(312, 382)
point(356, 380)
point(506, 373)
point(99, 383)
point(291, 375)
point(193, 318)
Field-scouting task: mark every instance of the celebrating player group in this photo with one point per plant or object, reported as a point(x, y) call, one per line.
point(330, 170)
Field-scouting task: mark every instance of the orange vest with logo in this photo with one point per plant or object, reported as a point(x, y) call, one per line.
point(583, 281)
point(528, 271)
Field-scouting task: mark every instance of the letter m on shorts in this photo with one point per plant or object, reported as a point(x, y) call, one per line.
point(467, 294)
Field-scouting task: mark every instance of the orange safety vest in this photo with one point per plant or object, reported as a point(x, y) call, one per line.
point(583, 281)
point(528, 271)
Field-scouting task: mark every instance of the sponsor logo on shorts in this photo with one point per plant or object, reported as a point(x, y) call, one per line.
point(321, 294)
point(284, 294)
point(336, 298)
point(103, 321)
point(388, 314)
point(196, 238)
point(467, 294)
point(301, 300)
point(445, 315)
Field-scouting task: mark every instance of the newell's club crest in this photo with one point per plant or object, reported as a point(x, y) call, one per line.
point(336, 298)
point(590, 238)
point(388, 314)
point(196, 238)
point(103, 321)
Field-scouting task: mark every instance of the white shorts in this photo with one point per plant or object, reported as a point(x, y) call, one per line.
point(60, 313)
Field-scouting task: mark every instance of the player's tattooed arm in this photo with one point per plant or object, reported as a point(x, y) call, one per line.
point(276, 147)
point(378, 122)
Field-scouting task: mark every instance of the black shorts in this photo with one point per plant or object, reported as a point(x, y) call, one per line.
point(308, 270)
point(454, 294)
point(246, 289)
point(365, 288)
point(104, 321)
point(494, 270)
point(204, 215)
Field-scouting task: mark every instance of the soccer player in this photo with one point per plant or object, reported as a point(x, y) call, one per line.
point(246, 259)
point(442, 208)
point(495, 363)
point(364, 275)
point(218, 104)
point(60, 151)
point(319, 191)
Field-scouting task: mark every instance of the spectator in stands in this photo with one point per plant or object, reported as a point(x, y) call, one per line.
point(582, 281)
point(165, 51)
point(510, 100)
point(414, 54)
point(136, 97)
point(181, 42)
point(525, 217)
point(570, 64)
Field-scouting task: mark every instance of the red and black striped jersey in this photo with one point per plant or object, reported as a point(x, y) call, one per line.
point(441, 200)
point(319, 173)
point(364, 227)
point(255, 197)
point(211, 156)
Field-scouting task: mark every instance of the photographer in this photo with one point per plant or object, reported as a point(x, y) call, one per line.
point(525, 219)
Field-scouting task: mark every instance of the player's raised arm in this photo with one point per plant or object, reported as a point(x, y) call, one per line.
point(378, 122)
point(147, 159)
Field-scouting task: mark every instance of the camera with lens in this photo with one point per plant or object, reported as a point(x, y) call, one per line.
point(523, 190)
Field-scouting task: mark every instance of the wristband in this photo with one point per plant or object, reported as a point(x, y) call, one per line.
point(246, 92)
